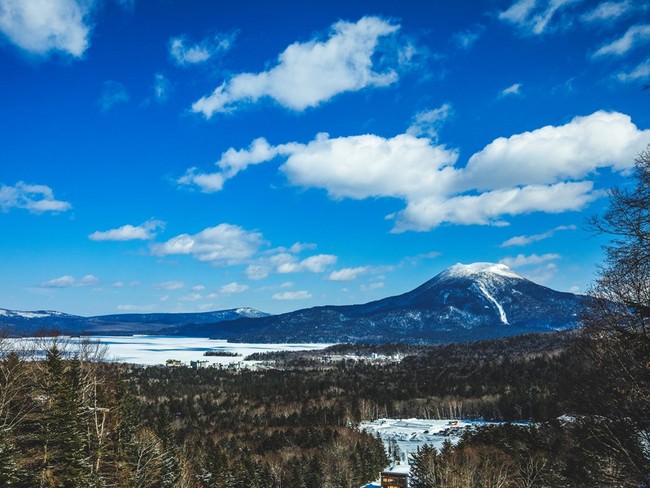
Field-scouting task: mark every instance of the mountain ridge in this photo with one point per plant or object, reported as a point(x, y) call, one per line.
point(464, 302)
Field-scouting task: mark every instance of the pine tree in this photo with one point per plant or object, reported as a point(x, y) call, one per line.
point(65, 452)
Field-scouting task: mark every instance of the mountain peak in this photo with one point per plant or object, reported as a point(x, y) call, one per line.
point(460, 270)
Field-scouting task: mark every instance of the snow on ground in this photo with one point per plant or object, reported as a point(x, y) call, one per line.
point(151, 350)
point(407, 435)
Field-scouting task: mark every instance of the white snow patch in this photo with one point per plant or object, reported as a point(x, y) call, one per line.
point(31, 315)
point(408, 435)
point(460, 270)
point(502, 312)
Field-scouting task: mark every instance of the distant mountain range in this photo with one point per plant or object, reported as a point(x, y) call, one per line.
point(463, 303)
point(17, 323)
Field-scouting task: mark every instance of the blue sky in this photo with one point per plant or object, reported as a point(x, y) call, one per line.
point(168, 155)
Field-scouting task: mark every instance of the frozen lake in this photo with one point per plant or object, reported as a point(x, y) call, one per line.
point(152, 350)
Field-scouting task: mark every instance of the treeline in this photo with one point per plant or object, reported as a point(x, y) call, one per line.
point(69, 420)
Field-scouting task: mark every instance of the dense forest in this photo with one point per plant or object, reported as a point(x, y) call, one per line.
point(69, 419)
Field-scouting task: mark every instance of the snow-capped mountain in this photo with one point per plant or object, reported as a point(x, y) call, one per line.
point(13, 322)
point(464, 302)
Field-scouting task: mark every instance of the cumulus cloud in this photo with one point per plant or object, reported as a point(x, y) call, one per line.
point(43, 26)
point(231, 163)
point(34, 198)
point(548, 169)
point(633, 37)
point(232, 288)
point(527, 260)
point(292, 295)
point(310, 73)
point(640, 72)
point(113, 93)
point(286, 263)
point(489, 208)
point(428, 122)
point(533, 17)
point(525, 240)
point(224, 244)
point(257, 271)
point(187, 53)
point(554, 153)
point(128, 232)
point(514, 89)
point(125, 284)
point(68, 281)
point(348, 274)
point(371, 166)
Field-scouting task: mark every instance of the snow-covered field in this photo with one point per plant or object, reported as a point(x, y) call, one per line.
point(151, 350)
point(403, 437)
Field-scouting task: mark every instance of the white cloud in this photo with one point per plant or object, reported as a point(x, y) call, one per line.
point(125, 284)
point(113, 93)
point(42, 26)
point(641, 72)
point(542, 274)
point(198, 288)
point(68, 281)
point(287, 263)
point(524, 240)
point(534, 16)
point(231, 163)
point(607, 12)
point(533, 259)
point(490, 207)
point(514, 89)
point(224, 244)
point(372, 286)
point(161, 87)
point(633, 37)
point(257, 271)
point(232, 288)
point(298, 247)
point(466, 39)
point(170, 285)
point(555, 153)
point(292, 295)
point(348, 274)
point(186, 53)
point(34, 198)
point(310, 73)
point(129, 232)
point(370, 166)
point(544, 170)
point(428, 122)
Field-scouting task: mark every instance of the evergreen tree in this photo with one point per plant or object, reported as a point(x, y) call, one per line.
point(65, 455)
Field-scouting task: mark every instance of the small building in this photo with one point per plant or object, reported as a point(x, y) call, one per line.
point(173, 363)
point(201, 363)
point(394, 480)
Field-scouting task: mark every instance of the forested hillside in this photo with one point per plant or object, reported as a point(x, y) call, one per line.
point(121, 425)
